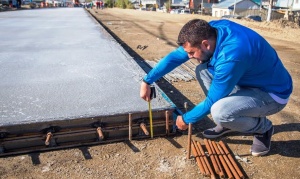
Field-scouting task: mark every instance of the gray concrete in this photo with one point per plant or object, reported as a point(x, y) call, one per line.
point(58, 64)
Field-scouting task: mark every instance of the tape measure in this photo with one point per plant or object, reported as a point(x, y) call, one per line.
point(152, 95)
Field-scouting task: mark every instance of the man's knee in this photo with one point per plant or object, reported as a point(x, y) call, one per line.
point(219, 113)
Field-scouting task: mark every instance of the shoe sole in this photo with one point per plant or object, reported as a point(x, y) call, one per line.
point(257, 154)
point(216, 136)
point(260, 153)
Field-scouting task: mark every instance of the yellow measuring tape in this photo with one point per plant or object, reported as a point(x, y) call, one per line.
point(150, 116)
point(152, 95)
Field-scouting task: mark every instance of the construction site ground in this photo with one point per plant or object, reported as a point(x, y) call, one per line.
point(166, 157)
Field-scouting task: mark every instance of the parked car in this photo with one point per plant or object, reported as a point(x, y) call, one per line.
point(161, 9)
point(153, 9)
point(185, 11)
point(254, 17)
point(199, 11)
point(175, 11)
point(232, 16)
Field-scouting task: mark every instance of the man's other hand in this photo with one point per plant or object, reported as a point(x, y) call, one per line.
point(145, 91)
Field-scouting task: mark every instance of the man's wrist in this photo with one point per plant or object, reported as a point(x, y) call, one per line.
point(146, 82)
point(183, 120)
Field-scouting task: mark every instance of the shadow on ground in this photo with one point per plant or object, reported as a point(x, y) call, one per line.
point(176, 96)
point(287, 148)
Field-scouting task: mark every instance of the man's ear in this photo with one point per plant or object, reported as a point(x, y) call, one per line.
point(205, 44)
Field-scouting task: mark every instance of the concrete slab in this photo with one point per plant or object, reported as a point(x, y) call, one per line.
point(58, 64)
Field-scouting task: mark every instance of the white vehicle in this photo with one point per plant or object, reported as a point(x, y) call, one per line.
point(185, 11)
point(175, 11)
point(161, 9)
point(57, 3)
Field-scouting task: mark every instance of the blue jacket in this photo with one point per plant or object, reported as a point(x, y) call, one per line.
point(242, 57)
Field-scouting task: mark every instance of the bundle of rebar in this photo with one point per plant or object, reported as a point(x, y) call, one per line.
point(219, 156)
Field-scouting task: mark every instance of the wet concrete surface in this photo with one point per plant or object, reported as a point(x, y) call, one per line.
point(58, 64)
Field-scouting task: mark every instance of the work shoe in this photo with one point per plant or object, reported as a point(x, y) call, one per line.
point(262, 143)
point(215, 132)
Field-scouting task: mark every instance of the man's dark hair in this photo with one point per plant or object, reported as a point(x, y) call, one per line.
point(195, 31)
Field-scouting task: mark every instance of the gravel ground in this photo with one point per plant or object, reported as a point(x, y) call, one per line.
point(166, 157)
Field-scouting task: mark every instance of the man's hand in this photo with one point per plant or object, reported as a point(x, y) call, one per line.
point(145, 91)
point(180, 123)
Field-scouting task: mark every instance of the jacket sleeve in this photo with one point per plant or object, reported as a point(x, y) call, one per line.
point(167, 64)
point(225, 78)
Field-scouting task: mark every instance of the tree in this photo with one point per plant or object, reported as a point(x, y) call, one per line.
point(109, 3)
point(124, 4)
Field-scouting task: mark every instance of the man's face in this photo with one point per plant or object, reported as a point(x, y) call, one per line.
point(201, 53)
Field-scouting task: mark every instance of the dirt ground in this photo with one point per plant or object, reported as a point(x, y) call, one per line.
point(166, 157)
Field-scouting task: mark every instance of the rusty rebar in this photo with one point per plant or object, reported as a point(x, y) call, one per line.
point(214, 154)
point(232, 169)
point(212, 158)
point(143, 127)
point(129, 126)
point(48, 138)
point(189, 141)
point(204, 164)
point(212, 174)
point(167, 123)
point(197, 157)
point(185, 106)
point(224, 164)
point(222, 144)
point(100, 133)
